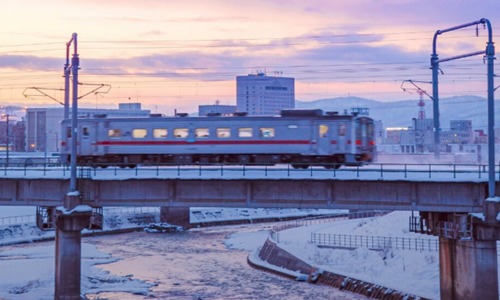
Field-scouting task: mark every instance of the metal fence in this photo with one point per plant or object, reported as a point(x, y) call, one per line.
point(373, 242)
point(275, 230)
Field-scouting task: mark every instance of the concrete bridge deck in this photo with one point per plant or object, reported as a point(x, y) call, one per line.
point(446, 196)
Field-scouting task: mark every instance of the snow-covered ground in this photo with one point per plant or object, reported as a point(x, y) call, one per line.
point(414, 272)
point(411, 271)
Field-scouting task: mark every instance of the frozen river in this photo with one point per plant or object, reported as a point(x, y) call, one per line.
point(197, 264)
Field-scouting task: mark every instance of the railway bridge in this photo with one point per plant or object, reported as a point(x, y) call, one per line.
point(453, 203)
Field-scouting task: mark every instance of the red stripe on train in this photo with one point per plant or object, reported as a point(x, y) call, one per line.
point(174, 143)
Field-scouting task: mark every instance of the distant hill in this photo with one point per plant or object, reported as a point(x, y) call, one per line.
point(400, 113)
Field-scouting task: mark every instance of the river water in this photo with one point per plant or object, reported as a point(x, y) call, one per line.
point(196, 264)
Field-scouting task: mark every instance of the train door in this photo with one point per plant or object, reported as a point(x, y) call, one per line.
point(323, 133)
point(341, 136)
point(84, 140)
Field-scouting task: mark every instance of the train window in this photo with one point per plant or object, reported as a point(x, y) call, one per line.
point(159, 133)
point(293, 126)
point(223, 132)
point(342, 129)
point(181, 133)
point(267, 132)
point(85, 131)
point(371, 130)
point(139, 133)
point(68, 132)
point(323, 130)
point(114, 133)
point(201, 132)
point(245, 132)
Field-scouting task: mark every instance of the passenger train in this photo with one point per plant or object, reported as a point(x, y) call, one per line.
point(297, 137)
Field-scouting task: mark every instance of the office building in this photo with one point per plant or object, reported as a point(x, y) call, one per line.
point(259, 94)
point(43, 129)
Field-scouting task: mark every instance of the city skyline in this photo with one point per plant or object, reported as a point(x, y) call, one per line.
point(181, 55)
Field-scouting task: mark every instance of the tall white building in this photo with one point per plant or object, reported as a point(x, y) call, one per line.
point(264, 95)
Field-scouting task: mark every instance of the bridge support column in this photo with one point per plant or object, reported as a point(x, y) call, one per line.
point(69, 224)
point(468, 269)
point(175, 215)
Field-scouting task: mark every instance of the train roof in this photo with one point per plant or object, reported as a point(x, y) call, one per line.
point(293, 114)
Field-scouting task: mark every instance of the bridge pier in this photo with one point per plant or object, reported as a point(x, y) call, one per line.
point(69, 224)
point(468, 263)
point(468, 269)
point(176, 215)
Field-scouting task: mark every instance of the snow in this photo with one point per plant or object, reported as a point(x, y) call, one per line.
point(415, 272)
point(35, 279)
point(493, 199)
point(217, 214)
point(248, 241)
point(479, 216)
point(74, 193)
point(76, 209)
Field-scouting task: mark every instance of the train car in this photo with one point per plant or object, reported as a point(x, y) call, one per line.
point(298, 137)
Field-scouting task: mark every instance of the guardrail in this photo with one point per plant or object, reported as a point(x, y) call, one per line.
point(379, 170)
point(373, 242)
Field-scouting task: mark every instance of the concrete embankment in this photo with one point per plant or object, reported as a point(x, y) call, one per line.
point(279, 259)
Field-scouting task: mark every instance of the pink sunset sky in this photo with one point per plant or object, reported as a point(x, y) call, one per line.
point(180, 54)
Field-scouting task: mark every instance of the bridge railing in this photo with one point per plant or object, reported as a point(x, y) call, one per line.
point(376, 170)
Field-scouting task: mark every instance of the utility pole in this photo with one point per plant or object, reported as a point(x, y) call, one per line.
point(489, 53)
point(8, 141)
point(73, 217)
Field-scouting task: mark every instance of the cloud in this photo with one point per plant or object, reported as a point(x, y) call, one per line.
point(28, 62)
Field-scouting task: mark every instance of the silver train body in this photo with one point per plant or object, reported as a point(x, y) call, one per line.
point(298, 137)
